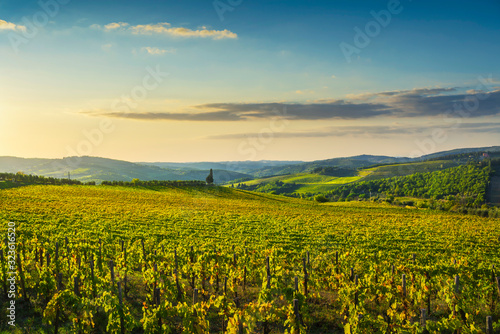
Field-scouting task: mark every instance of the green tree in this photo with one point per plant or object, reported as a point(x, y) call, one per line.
point(210, 177)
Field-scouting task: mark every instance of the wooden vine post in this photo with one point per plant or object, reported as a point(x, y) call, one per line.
point(124, 250)
point(4, 281)
point(356, 293)
point(296, 311)
point(179, 292)
point(120, 310)
point(59, 288)
point(21, 274)
point(305, 275)
point(337, 262)
point(191, 259)
point(92, 276)
point(457, 292)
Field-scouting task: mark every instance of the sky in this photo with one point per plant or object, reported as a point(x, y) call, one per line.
point(234, 80)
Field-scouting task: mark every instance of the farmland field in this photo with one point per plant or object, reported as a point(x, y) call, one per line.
point(313, 183)
point(161, 243)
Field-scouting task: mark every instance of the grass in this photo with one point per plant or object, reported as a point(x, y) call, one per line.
point(317, 183)
point(306, 183)
point(385, 171)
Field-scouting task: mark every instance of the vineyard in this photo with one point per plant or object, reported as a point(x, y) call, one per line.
point(196, 259)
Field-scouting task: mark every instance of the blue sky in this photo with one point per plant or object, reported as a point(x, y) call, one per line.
point(259, 80)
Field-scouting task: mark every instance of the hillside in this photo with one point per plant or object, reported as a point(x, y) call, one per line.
point(87, 169)
point(460, 151)
point(265, 168)
point(349, 162)
point(108, 241)
point(310, 184)
point(494, 192)
point(385, 171)
point(246, 167)
point(296, 184)
point(468, 181)
point(494, 186)
point(96, 169)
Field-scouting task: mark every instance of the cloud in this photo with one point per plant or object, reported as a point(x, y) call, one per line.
point(338, 109)
point(115, 25)
point(382, 131)
point(429, 102)
point(422, 102)
point(481, 127)
point(210, 116)
point(381, 95)
point(302, 92)
point(166, 29)
point(157, 51)
point(4, 25)
point(369, 131)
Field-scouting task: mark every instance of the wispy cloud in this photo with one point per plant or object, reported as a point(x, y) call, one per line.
point(338, 109)
point(376, 131)
point(157, 51)
point(115, 25)
point(209, 116)
point(164, 28)
point(384, 95)
point(241, 112)
point(4, 25)
point(302, 92)
point(369, 131)
point(395, 104)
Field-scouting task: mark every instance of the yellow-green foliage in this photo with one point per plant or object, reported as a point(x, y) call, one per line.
point(368, 237)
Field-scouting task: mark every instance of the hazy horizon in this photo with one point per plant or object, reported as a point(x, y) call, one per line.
point(228, 161)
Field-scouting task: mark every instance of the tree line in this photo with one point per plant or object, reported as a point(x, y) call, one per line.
point(152, 183)
point(465, 185)
point(20, 178)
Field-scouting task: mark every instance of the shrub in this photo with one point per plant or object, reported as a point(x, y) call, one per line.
point(320, 199)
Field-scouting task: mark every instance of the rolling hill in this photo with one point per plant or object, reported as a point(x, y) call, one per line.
point(246, 167)
point(349, 162)
point(314, 183)
point(362, 161)
point(101, 169)
point(363, 166)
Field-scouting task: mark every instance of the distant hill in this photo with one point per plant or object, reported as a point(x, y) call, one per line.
point(350, 163)
point(247, 167)
point(101, 169)
point(442, 154)
point(307, 178)
point(316, 181)
point(362, 161)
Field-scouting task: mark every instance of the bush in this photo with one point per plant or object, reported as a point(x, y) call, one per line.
point(320, 199)
point(422, 205)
